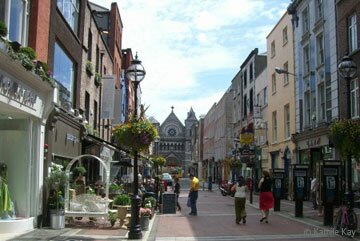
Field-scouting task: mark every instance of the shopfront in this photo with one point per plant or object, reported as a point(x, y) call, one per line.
point(25, 102)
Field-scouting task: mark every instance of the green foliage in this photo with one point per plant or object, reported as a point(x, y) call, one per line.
point(345, 134)
point(3, 29)
point(79, 170)
point(56, 183)
point(97, 78)
point(158, 161)
point(112, 218)
point(114, 188)
point(137, 133)
point(28, 51)
point(122, 199)
point(89, 68)
point(150, 200)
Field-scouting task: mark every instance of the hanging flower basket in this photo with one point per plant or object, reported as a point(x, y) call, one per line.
point(158, 161)
point(136, 134)
point(345, 135)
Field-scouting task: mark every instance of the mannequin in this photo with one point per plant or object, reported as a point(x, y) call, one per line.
point(6, 205)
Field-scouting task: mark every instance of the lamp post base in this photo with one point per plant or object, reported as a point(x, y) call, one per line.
point(135, 228)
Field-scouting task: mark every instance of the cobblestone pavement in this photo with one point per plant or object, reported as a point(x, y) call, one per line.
point(215, 221)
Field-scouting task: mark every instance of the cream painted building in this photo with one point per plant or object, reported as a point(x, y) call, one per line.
point(281, 99)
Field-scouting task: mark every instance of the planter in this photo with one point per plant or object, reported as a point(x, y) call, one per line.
point(144, 223)
point(122, 211)
point(57, 219)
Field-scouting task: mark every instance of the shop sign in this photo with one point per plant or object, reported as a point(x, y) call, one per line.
point(72, 138)
point(17, 92)
point(313, 142)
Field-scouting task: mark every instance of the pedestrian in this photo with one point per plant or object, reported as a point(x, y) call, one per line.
point(193, 194)
point(177, 192)
point(313, 190)
point(266, 199)
point(210, 183)
point(240, 190)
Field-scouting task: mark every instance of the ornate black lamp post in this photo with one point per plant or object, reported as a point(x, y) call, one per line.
point(347, 69)
point(157, 181)
point(135, 73)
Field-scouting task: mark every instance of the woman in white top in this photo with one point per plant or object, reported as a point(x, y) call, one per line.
point(240, 200)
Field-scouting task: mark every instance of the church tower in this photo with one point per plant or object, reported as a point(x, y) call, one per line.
point(190, 121)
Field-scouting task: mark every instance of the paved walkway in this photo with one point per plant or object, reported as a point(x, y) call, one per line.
point(215, 221)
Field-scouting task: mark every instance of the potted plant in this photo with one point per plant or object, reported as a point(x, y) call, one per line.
point(89, 68)
point(56, 182)
point(122, 202)
point(97, 78)
point(115, 189)
point(145, 216)
point(150, 202)
point(112, 218)
point(137, 133)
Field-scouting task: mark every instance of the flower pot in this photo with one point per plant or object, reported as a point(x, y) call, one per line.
point(144, 223)
point(122, 211)
point(57, 219)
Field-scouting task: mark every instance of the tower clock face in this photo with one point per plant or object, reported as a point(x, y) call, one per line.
point(172, 132)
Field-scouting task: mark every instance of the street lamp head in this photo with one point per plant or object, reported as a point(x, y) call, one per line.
point(157, 139)
point(280, 70)
point(135, 72)
point(347, 68)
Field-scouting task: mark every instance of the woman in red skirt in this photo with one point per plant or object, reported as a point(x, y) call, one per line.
point(266, 199)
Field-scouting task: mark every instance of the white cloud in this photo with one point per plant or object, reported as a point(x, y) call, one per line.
point(179, 40)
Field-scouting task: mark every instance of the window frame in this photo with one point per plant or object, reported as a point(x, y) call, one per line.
point(287, 121)
point(274, 126)
point(352, 33)
point(305, 20)
point(306, 60)
point(285, 35)
point(319, 9)
point(273, 50)
point(68, 14)
point(273, 83)
point(322, 101)
point(354, 98)
point(286, 75)
point(320, 49)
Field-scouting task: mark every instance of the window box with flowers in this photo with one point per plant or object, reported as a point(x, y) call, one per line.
point(97, 79)
point(136, 134)
point(89, 68)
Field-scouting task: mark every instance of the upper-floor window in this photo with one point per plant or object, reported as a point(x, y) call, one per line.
point(251, 72)
point(273, 83)
point(306, 60)
point(70, 11)
point(285, 35)
point(89, 53)
point(319, 9)
point(15, 15)
point(273, 51)
point(286, 75)
point(305, 21)
point(354, 98)
point(245, 106)
point(274, 127)
point(320, 49)
point(251, 100)
point(352, 33)
point(265, 96)
point(63, 71)
point(307, 108)
point(322, 101)
point(287, 121)
point(245, 79)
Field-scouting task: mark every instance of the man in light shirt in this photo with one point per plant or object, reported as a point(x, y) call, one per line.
point(193, 194)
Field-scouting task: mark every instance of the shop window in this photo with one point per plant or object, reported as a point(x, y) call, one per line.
point(64, 72)
point(70, 11)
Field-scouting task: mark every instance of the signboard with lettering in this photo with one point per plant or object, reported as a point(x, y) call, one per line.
point(169, 202)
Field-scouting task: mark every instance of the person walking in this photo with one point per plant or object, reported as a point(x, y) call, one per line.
point(266, 199)
point(313, 190)
point(193, 194)
point(240, 190)
point(177, 192)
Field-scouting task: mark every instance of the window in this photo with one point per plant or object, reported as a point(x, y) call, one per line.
point(307, 108)
point(287, 121)
point(305, 21)
point(95, 115)
point(245, 79)
point(286, 76)
point(64, 71)
point(245, 106)
point(328, 101)
point(251, 77)
point(274, 127)
point(87, 105)
point(97, 59)
point(320, 49)
point(285, 35)
point(319, 9)
point(354, 98)
point(70, 11)
point(89, 53)
point(15, 14)
point(352, 33)
point(322, 101)
point(251, 107)
point(306, 56)
point(273, 52)
point(273, 83)
point(265, 96)
point(258, 101)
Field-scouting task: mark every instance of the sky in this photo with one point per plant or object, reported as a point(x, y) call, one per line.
point(192, 49)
